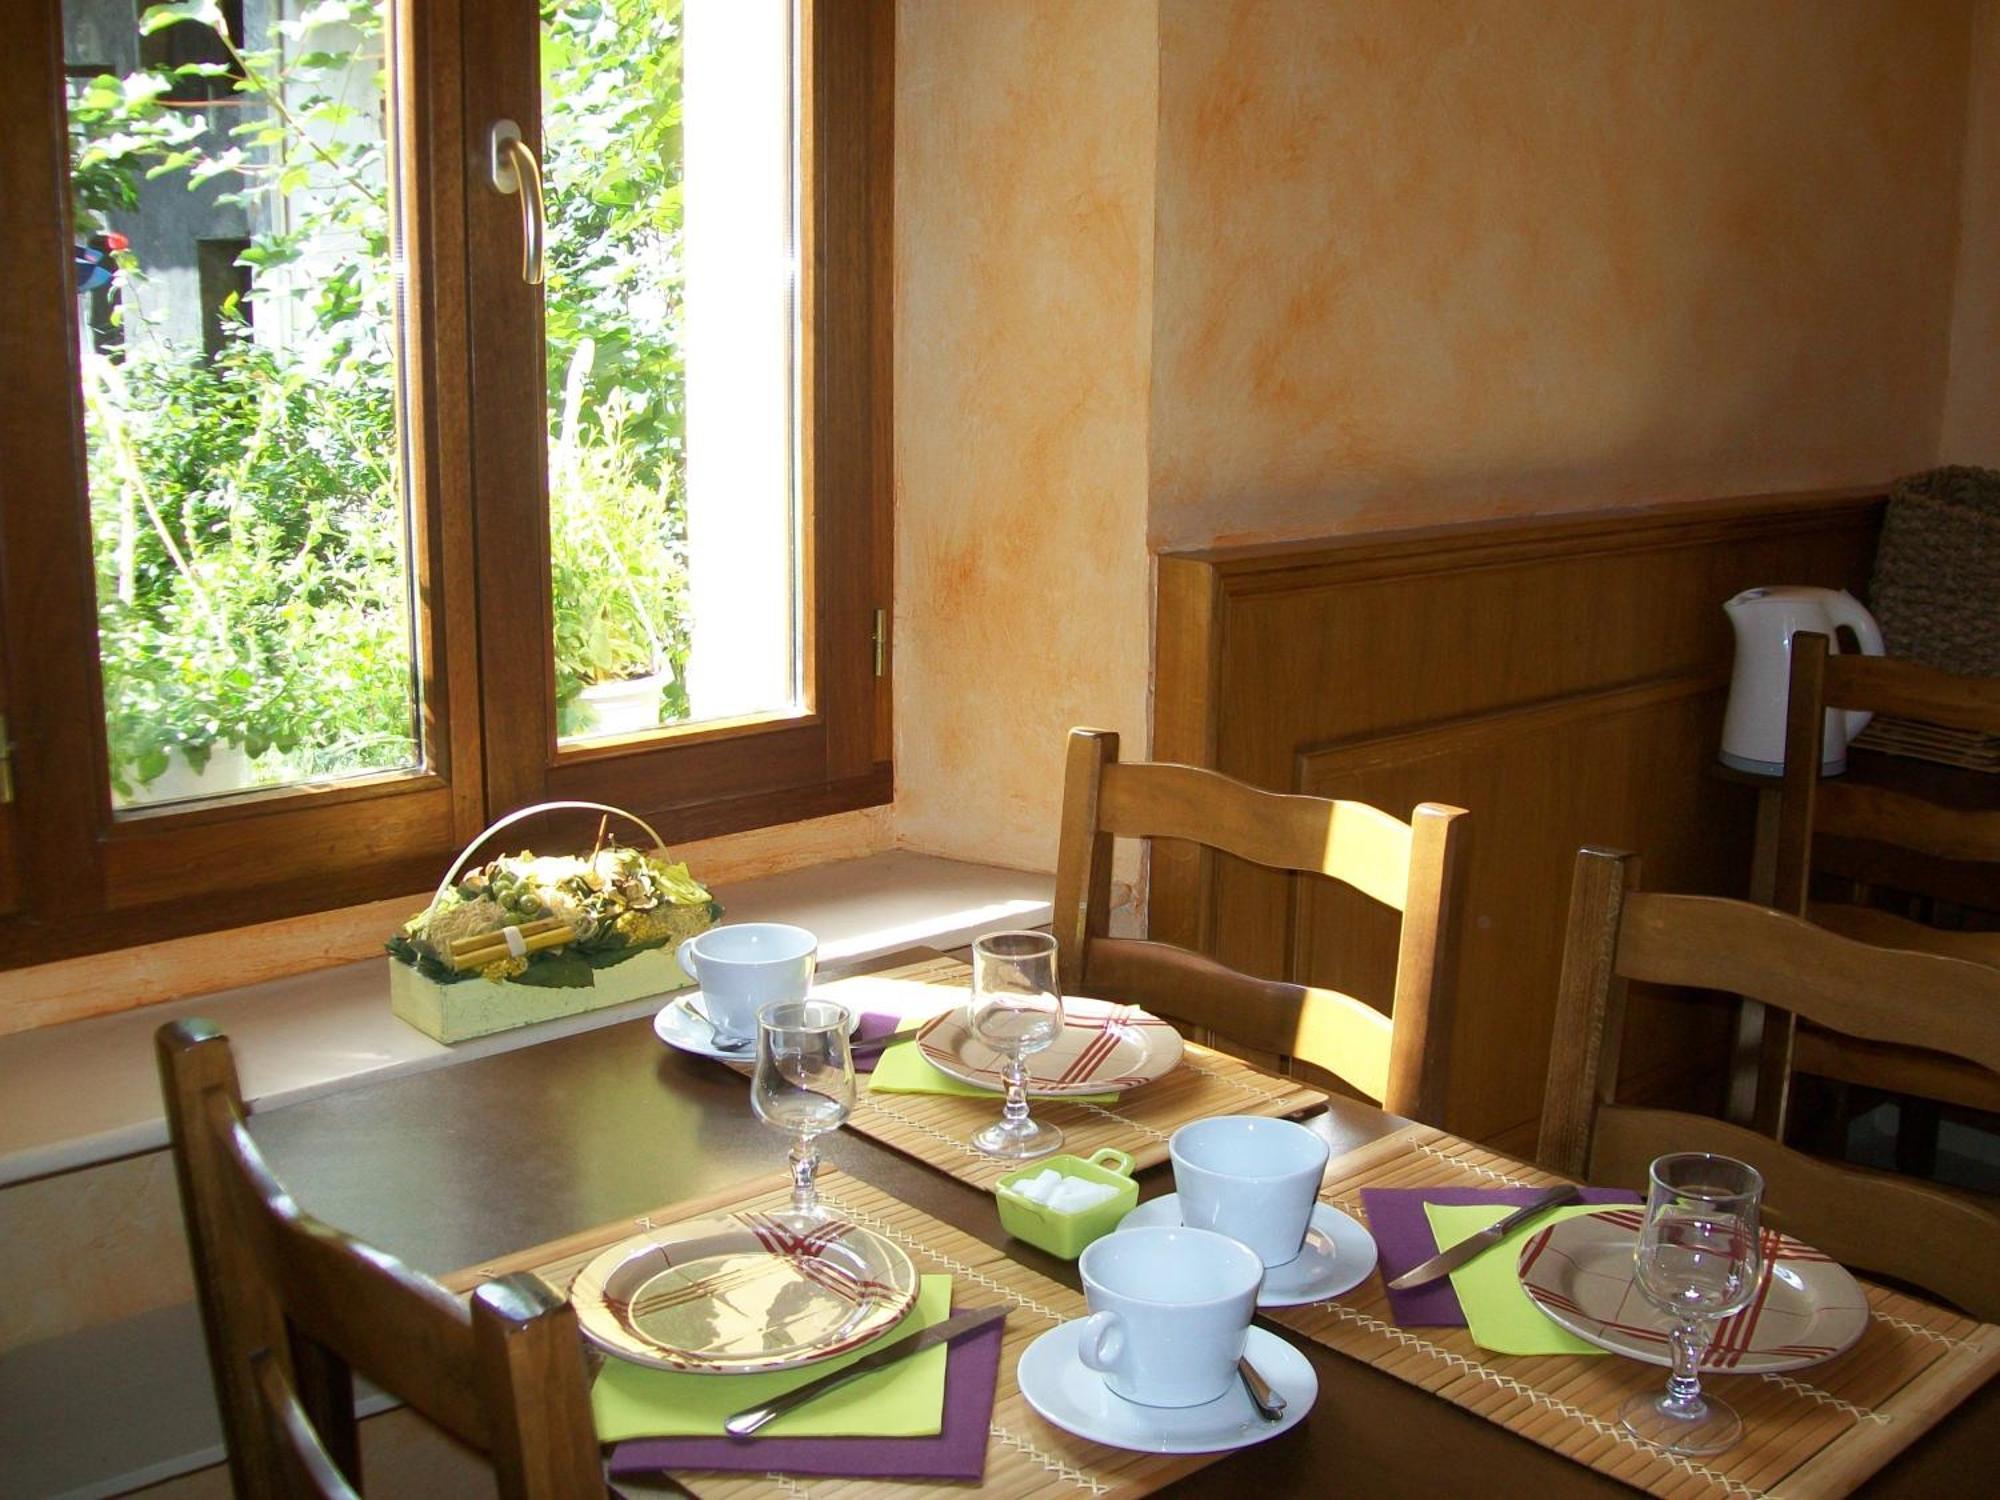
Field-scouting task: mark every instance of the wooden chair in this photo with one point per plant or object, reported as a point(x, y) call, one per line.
point(1908, 1230)
point(1399, 1059)
point(292, 1306)
point(1811, 807)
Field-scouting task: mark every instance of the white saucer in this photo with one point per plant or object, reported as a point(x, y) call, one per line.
point(1075, 1398)
point(680, 1024)
point(1337, 1257)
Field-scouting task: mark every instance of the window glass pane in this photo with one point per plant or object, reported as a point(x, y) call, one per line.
point(667, 129)
point(238, 307)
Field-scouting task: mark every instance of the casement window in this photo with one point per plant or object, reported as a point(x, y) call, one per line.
point(420, 408)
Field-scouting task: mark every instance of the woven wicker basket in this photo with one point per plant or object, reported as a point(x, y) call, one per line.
point(1936, 588)
point(1936, 592)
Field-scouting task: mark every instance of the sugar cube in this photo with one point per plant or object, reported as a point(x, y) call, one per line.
point(1075, 1194)
point(1037, 1189)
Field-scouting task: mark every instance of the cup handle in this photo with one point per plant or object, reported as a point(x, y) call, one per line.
point(1112, 1160)
point(684, 956)
point(1101, 1342)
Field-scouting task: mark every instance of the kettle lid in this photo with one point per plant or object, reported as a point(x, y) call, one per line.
point(1786, 593)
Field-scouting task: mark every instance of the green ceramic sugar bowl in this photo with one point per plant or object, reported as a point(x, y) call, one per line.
point(1026, 1215)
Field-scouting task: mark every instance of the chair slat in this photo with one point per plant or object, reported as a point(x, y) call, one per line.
point(1881, 994)
point(1911, 690)
point(1867, 924)
point(1284, 1020)
point(1901, 1070)
point(1350, 841)
point(1851, 810)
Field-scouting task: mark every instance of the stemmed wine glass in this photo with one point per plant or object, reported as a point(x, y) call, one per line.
point(1698, 1259)
point(803, 1084)
point(1017, 1011)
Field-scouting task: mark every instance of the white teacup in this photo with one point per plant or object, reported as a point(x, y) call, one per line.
point(1250, 1178)
point(1169, 1310)
point(746, 966)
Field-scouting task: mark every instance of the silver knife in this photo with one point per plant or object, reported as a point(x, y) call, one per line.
point(1473, 1246)
point(955, 1327)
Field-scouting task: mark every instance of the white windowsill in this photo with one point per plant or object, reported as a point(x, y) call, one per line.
point(87, 1091)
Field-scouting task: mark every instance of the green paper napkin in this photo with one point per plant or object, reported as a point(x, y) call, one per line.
point(1500, 1316)
point(905, 1400)
point(903, 1069)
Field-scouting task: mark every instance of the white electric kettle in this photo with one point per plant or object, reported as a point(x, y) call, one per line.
point(1753, 729)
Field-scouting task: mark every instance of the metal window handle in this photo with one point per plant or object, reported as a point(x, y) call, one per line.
point(515, 170)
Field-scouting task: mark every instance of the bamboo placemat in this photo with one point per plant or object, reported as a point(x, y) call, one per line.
point(1024, 1455)
point(1816, 1431)
point(936, 1129)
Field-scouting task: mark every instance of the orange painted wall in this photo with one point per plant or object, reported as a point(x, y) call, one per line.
point(1471, 257)
point(1024, 230)
point(1179, 272)
point(1972, 396)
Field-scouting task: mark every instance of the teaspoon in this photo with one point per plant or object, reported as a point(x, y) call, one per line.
point(1270, 1405)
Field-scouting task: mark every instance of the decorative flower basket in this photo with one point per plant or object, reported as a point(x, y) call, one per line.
point(527, 938)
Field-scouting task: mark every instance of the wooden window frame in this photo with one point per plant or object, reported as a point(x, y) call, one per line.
point(74, 879)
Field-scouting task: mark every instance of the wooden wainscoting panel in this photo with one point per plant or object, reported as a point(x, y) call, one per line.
point(1480, 632)
point(1546, 780)
point(1478, 621)
point(1186, 652)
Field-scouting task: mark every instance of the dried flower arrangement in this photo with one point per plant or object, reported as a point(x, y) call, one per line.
point(528, 937)
point(572, 915)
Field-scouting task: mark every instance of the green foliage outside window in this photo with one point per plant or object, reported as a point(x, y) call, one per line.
point(246, 505)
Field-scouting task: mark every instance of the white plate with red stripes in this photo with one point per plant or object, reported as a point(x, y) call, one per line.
point(1806, 1308)
point(1102, 1049)
point(743, 1293)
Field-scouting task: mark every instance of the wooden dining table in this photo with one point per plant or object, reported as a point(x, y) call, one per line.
point(468, 1164)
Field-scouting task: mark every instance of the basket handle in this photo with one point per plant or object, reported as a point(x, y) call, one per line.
point(517, 815)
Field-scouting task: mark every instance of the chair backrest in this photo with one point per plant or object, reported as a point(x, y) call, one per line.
point(1822, 680)
point(1617, 933)
point(505, 1377)
point(1810, 807)
point(1399, 1059)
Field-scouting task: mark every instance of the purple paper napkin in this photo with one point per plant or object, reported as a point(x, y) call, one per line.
point(1403, 1241)
point(971, 1376)
point(877, 1029)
